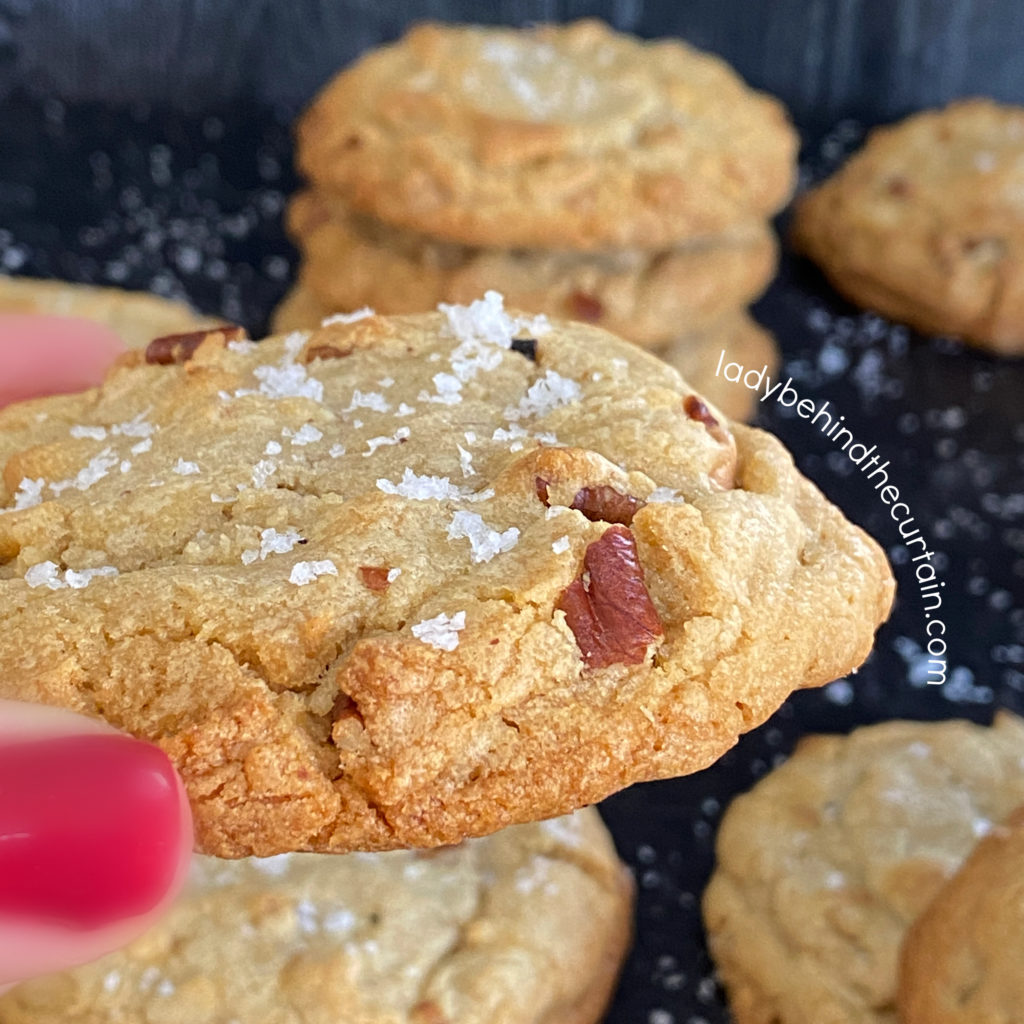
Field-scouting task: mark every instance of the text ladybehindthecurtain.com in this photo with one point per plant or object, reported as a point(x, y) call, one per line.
point(863, 457)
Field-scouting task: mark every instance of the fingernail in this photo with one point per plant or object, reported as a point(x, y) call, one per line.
point(90, 829)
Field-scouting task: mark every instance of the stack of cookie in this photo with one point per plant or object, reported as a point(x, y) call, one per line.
point(581, 172)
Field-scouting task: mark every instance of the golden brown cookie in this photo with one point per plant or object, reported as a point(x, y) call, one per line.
point(136, 316)
point(961, 960)
point(529, 924)
point(826, 862)
point(403, 580)
point(926, 224)
point(351, 261)
point(554, 137)
point(700, 357)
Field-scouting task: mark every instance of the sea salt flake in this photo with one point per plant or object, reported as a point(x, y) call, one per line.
point(98, 467)
point(29, 493)
point(306, 572)
point(44, 574)
point(561, 545)
point(404, 410)
point(142, 446)
point(263, 471)
point(336, 451)
point(393, 574)
point(386, 382)
point(273, 448)
point(306, 434)
point(368, 400)
point(287, 381)
point(400, 435)
point(484, 542)
point(81, 579)
point(96, 433)
point(125, 465)
point(242, 346)
point(272, 543)
point(135, 427)
point(465, 461)
point(448, 387)
point(665, 496)
point(347, 318)
point(550, 392)
point(442, 631)
point(184, 468)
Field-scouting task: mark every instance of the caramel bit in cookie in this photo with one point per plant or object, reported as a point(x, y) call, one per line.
point(898, 187)
point(427, 1012)
point(600, 504)
point(375, 577)
point(585, 307)
point(175, 349)
point(526, 347)
point(325, 352)
point(696, 409)
point(608, 607)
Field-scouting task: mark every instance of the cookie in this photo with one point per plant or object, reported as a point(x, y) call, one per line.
point(554, 137)
point(353, 261)
point(404, 580)
point(529, 924)
point(826, 862)
point(699, 358)
point(961, 959)
point(926, 224)
point(136, 316)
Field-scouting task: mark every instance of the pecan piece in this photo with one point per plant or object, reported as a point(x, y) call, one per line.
point(375, 577)
point(586, 307)
point(600, 503)
point(175, 349)
point(696, 409)
point(325, 352)
point(607, 607)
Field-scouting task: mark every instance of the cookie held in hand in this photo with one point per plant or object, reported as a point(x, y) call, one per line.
point(403, 580)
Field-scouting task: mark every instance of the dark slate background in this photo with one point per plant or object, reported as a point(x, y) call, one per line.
point(827, 59)
point(147, 145)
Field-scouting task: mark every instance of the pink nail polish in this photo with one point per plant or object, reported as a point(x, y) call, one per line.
point(90, 829)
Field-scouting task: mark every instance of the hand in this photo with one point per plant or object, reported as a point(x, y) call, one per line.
point(95, 829)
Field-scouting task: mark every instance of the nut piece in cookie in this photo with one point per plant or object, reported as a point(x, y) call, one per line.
point(926, 224)
point(826, 862)
point(321, 574)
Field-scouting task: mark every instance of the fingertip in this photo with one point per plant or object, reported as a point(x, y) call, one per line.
point(45, 355)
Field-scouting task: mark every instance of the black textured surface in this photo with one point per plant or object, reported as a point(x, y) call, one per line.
point(826, 59)
point(192, 207)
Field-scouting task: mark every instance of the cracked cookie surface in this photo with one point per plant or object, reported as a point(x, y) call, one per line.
point(403, 580)
point(560, 136)
point(529, 924)
point(823, 866)
point(926, 223)
point(137, 317)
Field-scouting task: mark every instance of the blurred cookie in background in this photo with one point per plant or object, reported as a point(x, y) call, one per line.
point(962, 959)
point(584, 173)
point(825, 863)
point(700, 358)
point(926, 224)
point(529, 924)
point(137, 317)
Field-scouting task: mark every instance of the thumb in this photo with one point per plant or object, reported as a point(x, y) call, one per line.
point(95, 838)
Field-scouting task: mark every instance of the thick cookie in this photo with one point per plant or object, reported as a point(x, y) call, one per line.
point(353, 261)
point(825, 863)
point(530, 924)
point(403, 580)
point(926, 224)
point(560, 136)
point(699, 358)
point(136, 316)
point(961, 959)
